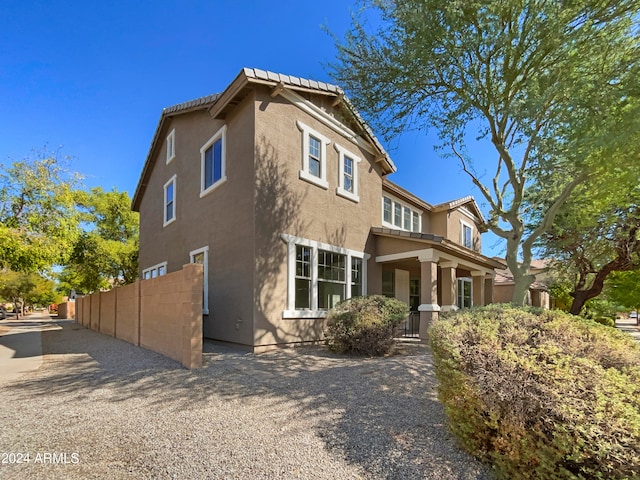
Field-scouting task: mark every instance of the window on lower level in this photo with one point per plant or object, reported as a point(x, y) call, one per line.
point(321, 275)
point(155, 271)
point(170, 201)
point(464, 289)
point(201, 257)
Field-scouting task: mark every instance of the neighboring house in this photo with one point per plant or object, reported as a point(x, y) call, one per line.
point(538, 294)
point(277, 186)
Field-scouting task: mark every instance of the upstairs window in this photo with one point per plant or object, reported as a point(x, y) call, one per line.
point(213, 162)
point(171, 145)
point(348, 174)
point(467, 235)
point(169, 201)
point(386, 209)
point(400, 216)
point(314, 156)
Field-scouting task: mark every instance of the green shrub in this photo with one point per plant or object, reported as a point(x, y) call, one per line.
point(540, 394)
point(609, 322)
point(364, 325)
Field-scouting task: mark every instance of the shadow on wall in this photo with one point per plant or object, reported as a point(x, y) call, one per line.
point(278, 208)
point(277, 211)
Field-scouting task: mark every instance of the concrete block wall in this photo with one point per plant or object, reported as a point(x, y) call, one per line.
point(67, 310)
point(162, 314)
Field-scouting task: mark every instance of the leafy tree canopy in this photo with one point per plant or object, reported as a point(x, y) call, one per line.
point(106, 253)
point(38, 221)
point(27, 288)
point(549, 85)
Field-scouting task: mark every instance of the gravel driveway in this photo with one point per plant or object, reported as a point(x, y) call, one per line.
point(119, 411)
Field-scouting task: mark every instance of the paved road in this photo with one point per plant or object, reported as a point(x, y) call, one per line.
point(21, 344)
point(630, 326)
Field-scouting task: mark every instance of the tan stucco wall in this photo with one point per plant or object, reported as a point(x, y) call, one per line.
point(108, 312)
point(502, 293)
point(95, 311)
point(127, 311)
point(67, 310)
point(288, 204)
point(169, 320)
point(222, 220)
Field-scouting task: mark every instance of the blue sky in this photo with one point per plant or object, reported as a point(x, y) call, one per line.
point(92, 77)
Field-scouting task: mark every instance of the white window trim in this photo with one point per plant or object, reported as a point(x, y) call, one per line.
point(462, 225)
point(155, 267)
point(222, 133)
point(171, 145)
point(324, 141)
point(164, 204)
point(314, 311)
point(342, 152)
point(403, 205)
point(205, 297)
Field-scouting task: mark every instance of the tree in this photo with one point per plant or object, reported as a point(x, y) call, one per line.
point(38, 221)
point(590, 240)
point(623, 288)
point(544, 83)
point(106, 253)
point(26, 288)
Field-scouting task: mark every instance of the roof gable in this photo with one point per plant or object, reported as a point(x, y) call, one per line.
point(286, 85)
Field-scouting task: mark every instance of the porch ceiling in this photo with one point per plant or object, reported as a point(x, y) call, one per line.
point(394, 245)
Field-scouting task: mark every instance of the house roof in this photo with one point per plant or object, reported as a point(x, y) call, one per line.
point(440, 243)
point(537, 267)
point(218, 104)
point(467, 201)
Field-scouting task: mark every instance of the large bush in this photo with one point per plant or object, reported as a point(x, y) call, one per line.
point(364, 325)
point(541, 395)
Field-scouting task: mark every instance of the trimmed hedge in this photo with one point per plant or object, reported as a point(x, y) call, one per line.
point(540, 394)
point(364, 325)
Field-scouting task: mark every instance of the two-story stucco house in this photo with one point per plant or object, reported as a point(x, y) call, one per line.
point(278, 187)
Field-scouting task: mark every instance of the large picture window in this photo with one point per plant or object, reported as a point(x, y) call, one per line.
point(213, 162)
point(320, 276)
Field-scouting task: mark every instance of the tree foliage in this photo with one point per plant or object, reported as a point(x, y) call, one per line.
point(548, 85)
point(26, 289)
point(106, 252)
point(596, 234)
point(623, 288)
point(38, 221)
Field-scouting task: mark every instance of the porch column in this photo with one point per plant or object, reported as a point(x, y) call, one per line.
point(429, 307)
point(478, 288)
point(449, 282)
point(488, 289)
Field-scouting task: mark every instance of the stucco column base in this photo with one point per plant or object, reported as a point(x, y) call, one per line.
point(428, 314)
point(426, 319)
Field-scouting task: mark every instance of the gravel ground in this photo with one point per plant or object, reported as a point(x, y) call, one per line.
point(126, 412)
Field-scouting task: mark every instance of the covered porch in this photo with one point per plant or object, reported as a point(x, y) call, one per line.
point(432, 274)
